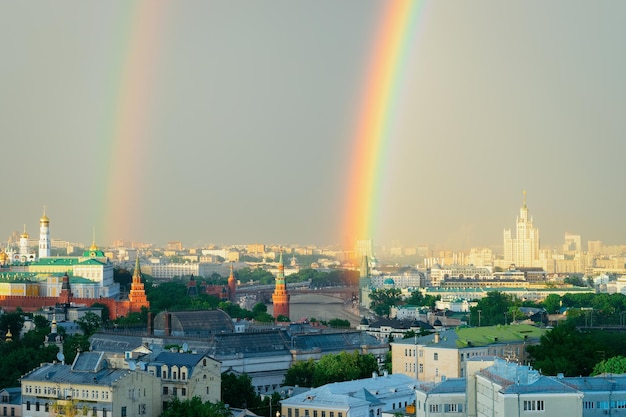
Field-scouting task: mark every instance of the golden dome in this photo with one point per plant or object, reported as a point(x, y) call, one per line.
point(44, 219)
point(24, 235)
point(93, 247)
point(3, 256)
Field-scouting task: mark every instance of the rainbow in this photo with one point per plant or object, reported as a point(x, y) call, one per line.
point(382, 84)
point(125, 136)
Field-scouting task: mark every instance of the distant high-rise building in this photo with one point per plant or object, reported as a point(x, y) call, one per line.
point(280, 298)
point(365, 247)
point(573, 243)
point(523, 249)
point(480, 257)
point(364, 282)
point(175, 245)
point(594, 246)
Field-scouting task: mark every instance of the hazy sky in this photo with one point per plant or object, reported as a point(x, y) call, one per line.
point(232, 121)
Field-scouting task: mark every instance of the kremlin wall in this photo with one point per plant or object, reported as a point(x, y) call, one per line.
point(35, 281)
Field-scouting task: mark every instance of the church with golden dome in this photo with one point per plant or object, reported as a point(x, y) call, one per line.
point(24, 273)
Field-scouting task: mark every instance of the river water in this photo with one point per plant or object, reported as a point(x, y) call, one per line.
point(320, 307)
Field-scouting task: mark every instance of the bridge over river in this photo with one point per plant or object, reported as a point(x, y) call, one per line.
point(263, 293)
point(322, 304)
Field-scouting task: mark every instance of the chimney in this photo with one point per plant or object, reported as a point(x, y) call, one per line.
point(436, 337)
point(150, 324)
point(168, 324)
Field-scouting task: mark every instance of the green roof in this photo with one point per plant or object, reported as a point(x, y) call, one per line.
point(483, 336)
point(81, 280)
point(462, 337)
point(91, 262)
point(56, 262)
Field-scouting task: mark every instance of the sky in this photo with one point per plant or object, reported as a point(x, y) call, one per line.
point(232, 122)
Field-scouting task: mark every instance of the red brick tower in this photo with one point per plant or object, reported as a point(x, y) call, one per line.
point(232, 285)
point(280, 298)
point(137, 295)
point(66, 295)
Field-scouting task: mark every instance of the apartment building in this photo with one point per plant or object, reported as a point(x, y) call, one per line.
point(442, 355)
point(91, 387)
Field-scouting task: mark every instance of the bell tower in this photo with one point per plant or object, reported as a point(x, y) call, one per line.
point(44, 236)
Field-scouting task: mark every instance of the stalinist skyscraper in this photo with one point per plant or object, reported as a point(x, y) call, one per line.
point(523, 249)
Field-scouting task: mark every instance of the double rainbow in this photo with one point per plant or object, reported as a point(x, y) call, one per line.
point(126, 137)
point(374, 124)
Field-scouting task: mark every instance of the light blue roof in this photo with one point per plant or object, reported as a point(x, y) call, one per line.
point(367, 391)
point(323, 397)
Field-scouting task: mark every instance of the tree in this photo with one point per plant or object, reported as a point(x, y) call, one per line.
point(41, 322)
point(89, 323)
point(565, 350)
point(339, 323)
point(301, 373)
point(12, 321)
point(382, 299)
point(195, 408)
point(613, 365)
point(73, 344)
point(493, 308)
point(552, 303)
point(237, 391)
point(332, 368)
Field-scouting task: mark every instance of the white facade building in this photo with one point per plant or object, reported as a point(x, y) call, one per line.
point(523, 249)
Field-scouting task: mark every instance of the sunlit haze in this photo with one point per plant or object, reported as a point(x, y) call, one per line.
point(235, 121)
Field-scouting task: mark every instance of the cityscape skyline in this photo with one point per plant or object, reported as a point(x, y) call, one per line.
point(227, 122)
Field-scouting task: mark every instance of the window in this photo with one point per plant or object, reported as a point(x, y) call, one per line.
point(4, 411)
point(165, 391)
point(434, 408)
point(297, 412)
point(323, 413)
point(28, 405)
point(37, 406)
point(183, 392)
point(421, 368)
point(183, 375)
point(588, 405)
point(314, 413)
point(289, 412)
point(435, 356)
point(533, 405)
point(123, 414)
point(453, 408)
